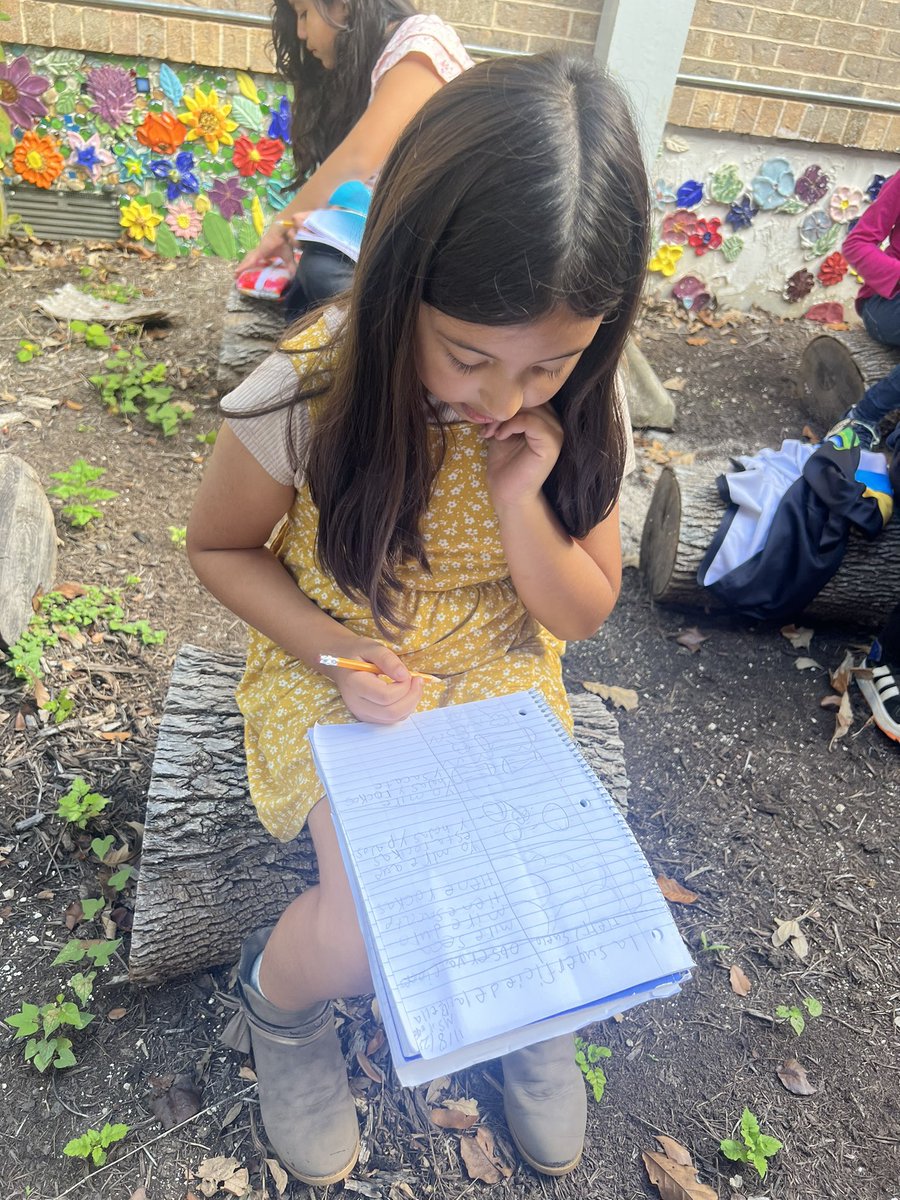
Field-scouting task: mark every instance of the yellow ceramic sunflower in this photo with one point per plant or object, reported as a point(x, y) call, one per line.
point(208, 119)
point(140, 221)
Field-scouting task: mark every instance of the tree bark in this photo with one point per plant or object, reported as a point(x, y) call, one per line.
point(27, 545)
point(837, 368)
point(209, 872)
point(684, 514)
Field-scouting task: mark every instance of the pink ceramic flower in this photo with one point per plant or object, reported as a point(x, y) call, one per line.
point(183, 219)
point(845, 204)
point(678, 226)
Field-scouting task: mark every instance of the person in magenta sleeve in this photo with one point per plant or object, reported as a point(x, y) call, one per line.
point(873, 248)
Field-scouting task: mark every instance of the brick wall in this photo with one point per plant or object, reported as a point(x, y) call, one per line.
point(845, 47)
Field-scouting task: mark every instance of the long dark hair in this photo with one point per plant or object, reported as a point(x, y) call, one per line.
point(517, 189)
point(328, 102)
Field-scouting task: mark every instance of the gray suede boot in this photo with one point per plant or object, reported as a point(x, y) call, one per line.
point(545, 1104)
point(304, 1096)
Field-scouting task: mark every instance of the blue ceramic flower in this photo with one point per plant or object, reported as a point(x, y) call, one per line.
point(179, 176)
point(878, 182)
point(133, 167)
point(662, 195)
point(814, 225)
point(774, 184)
point(689, 194)
point(741, 213)
point(280, 123)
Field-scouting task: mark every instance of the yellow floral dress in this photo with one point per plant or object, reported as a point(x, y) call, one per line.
point(467, 625)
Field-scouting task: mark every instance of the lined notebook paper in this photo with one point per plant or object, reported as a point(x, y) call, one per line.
point(501, 894)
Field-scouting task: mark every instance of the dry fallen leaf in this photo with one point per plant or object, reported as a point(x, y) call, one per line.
point(219, 1172)
point(697, 341)
point(116, 1014)
point(369, 1068)
point(674, 891)
point(797, 635)
point(435, 1088)
point(115, 735)
point(673, 1150)
point(626, 698)
point(843, 720)
point(41, 695)
point(830, 701)
point(455, 1114)
point(480, 1157)
point(807, 664)
point(740, 984)
point(247, 1073)
point(793, 1076)
point(279, 1175)
point(675, 384)
point(692, 638)
point(674, 1178)
point(72, 590)
point(790, 931)
point(840, 679)
point(173, 1099)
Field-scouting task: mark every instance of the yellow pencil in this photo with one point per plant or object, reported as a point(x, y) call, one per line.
point(356, 664)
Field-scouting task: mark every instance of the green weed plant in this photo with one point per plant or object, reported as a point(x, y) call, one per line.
point(133, 385)
point(93, 334)
point(588, 1056)
point(27, 351)
point(40, 1025)
point(794, 1014)
point(755, 1147)
point(80, 805)
point(94, 1143)
point(77, 486)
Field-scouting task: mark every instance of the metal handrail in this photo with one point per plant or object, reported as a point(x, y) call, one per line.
point(186, 11)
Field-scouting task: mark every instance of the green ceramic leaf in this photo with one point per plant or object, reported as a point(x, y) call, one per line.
point(827, 241)
point(166, 242)
point(7, 141)
point(247, 114)
point(218, 234)
point(731, 247)
point(791, 206)
point(60, 62)
point(245, 234)
point(65, 103)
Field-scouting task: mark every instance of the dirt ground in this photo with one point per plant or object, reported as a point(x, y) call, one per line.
point(734, 793)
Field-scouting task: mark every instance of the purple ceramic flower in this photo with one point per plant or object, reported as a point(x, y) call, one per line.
point(112, 90)
point(179, 176)
point(280, 122)
point(689, 194)
point(799, 285)
point(878, 182)
point(692, 293)
point(228, 196)
point(20, 93)
point(741, 213)
point(812, 184)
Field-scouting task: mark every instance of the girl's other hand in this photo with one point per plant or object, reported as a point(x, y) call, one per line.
point(375, 699)
point(276, 243)
point(521, 454)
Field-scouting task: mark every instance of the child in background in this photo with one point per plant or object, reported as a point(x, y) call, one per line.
point(449, 469)
point(360, 70)
point(878, 303)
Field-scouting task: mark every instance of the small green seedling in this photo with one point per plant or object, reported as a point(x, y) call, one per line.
point(77, 949)
point(708, 947)
point(83, 985)
point(80, 804)
point(60, 707)
point(49, 1048)
point(27, 351)
point(755, 1148)
point(178, 534)
point(134, 384)
point(76, 484)
point(588, 1056)
point(118, 293)
point(102, 846)
point(795, 1016)
point(94, 1143)
point(90, 906)
point(93, 334)
point(208, 439)
point(120, 880)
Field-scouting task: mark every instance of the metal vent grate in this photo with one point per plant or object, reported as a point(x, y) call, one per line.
point(63, 214)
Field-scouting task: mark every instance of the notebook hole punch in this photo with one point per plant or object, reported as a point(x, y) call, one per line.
point(585, 803)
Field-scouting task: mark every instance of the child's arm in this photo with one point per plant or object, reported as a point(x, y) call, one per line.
point(862, 246)
point(399, 96)
point(569, 585)
point(237, 507)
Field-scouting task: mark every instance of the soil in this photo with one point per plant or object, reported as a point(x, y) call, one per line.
point(735, 792)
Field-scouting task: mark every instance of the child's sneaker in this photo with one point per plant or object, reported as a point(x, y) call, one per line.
point(882, 692)
point(867, 435)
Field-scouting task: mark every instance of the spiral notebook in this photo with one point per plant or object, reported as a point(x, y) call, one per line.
point(502, 897)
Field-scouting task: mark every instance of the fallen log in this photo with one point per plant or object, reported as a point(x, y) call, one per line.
point(27, 545)
point(837, 368)
point(209, 872)
point(251, 329)
point(684, 514)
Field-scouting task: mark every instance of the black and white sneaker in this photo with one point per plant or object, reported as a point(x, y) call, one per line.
point(882, 693)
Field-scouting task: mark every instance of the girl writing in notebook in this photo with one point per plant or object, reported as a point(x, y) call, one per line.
point(359, 70)
point(446, 455)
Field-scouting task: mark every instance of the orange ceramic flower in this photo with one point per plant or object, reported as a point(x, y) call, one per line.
point(38, 160)
point(162, 132)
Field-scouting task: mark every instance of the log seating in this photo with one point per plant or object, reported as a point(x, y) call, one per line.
point(209, 872)
point(838, 366)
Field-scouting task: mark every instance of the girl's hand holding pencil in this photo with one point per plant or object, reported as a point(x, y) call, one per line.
point(374, 684)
